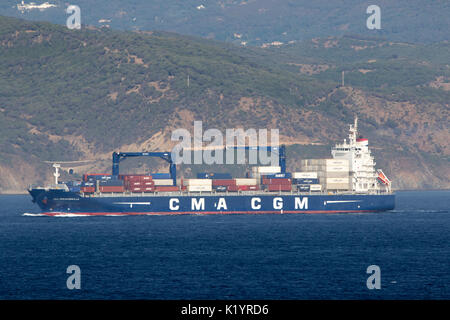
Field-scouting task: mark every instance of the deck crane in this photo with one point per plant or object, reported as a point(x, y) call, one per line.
point(167, 156)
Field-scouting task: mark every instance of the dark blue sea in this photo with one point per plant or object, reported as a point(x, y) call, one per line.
point(322, 256)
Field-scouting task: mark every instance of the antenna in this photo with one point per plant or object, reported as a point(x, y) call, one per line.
point(56, 174)
point(343, 78)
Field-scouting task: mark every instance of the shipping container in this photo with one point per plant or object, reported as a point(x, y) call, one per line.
point(324, 175)
point(142, 189)
point(285, 175)
point(268, 169)
point(315, 187)
point(337, 168)
point(135, 178)
point(88, 189)
point(337, 180)
point(167, 188)
point(198, 182)
point(338, 186)
point(96, 176)
point(304, 175)
point(223, 182)
point(276, 181)
point(243, 188)
point(220, 188)
point(163, 182)
point(305, 181)
point(245, 181)
point(213, 175)
point(111, 183)
point(279, 187)
point(303, 187)
point(111, 189)
point(160, 175)
point(199, 188)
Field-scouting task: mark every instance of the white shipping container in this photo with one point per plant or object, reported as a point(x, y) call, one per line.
point(337, 162)
point(163, 182)
point(337, 180)
point(246, 181)
point(199, 188)
point(315, 187)
point(199, 182)
point(323, 175)
point(268, 169)
point(304, 175)
point(337, 168)
point(338, 186)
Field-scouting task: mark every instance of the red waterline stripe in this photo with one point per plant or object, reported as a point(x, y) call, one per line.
point(201, 212)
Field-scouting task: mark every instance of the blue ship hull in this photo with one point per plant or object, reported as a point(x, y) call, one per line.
point(55, 202)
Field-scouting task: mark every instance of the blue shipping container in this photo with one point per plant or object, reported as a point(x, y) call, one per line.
point(285, 175)
point(213, 175)
point(303, 187)
point(160, 175)
point(112, 183)
point(305, 181)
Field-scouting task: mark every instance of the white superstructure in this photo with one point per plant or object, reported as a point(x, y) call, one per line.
point(363, 175)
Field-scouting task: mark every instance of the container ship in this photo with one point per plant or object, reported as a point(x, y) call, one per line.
point(344, 183)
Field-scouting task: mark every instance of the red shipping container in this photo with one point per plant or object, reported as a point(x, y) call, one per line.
point(148, 183)
point(242, 188)
point(111, 189)
point(88, 189)
point(224, 182)
point(277, 181)
point(279, 187)
point(167, 188)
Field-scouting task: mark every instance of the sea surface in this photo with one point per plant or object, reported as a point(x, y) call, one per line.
point(321, 256)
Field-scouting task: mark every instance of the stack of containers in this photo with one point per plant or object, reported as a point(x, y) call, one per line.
point(138, 183)
point(199, 185)
point(87, 187)
point(306, 181)
point(277, 184)
point(74, 186)
point(333, 174)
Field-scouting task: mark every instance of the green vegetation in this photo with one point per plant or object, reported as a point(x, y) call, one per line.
point(261, 21)
point(64, 92)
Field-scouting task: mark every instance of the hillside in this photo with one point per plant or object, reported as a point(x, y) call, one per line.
point(256, 22)
point(67, 95)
